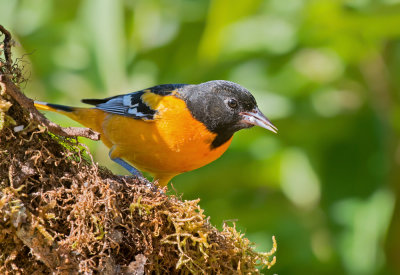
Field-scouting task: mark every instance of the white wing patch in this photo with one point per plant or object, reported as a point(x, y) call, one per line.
point(133, 110)
point(127, 100)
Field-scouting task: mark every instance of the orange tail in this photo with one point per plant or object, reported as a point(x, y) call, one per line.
point(88, 117)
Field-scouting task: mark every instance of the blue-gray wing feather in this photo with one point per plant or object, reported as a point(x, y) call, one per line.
point(132, 105)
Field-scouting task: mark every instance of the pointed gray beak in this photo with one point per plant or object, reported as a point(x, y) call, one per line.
point(257, 118)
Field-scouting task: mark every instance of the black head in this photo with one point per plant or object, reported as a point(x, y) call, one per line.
point(224, 107)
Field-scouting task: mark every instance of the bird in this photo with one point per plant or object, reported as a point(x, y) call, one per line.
point(168, 129)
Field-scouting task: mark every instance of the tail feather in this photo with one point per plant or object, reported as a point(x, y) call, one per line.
point(89, 117)
point(53, 107)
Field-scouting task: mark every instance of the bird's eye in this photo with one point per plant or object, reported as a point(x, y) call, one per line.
point(232, 103)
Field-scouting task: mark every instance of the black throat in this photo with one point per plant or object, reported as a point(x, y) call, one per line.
point(220, 139)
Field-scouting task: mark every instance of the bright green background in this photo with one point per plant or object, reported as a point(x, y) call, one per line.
point(325, 72)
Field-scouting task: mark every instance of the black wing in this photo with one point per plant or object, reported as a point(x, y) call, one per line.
point(132, 104)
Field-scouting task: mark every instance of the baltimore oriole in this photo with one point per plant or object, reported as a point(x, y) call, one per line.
point(169, 129)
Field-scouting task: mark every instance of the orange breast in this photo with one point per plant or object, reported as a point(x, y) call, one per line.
point(173, 143)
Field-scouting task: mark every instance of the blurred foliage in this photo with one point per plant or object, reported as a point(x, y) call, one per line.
point(324, 71)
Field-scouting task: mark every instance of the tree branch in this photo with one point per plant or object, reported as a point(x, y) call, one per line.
point(7, 47)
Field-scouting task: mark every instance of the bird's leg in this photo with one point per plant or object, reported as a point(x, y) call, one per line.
point(127, 166)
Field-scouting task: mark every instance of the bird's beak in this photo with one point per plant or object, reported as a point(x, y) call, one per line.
point(255, 117)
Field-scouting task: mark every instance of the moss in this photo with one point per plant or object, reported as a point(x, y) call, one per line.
point(85, 211)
